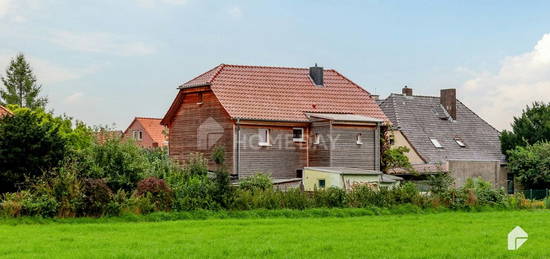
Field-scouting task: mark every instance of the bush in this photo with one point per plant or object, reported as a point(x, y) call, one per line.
point(96, 196)
point(29, 146)
point(531, 165)
point(121, 163)
point(196, 165)
point(25, 203)
point(194, 192)
point(158, 191)
point(440, 182)
point(259, 181)
point(330, 197)
point(223, 193)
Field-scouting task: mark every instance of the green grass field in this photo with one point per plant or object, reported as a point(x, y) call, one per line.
point(449, 234)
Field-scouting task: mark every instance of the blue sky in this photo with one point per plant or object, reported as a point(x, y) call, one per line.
point(105, 61)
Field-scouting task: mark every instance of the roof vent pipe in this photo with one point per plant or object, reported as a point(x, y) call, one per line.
point(316, 74)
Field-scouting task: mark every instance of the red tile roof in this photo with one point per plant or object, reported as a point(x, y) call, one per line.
point(282, 93)
point(4, 111)
point(152, 127)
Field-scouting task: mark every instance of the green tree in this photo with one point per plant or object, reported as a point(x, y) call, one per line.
point(396, 157)
point(20, 85)
point(531, 127)
point(29, 147)
point(531, 165)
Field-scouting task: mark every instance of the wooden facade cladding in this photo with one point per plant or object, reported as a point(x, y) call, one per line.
point(198, 126)
point(280, 159)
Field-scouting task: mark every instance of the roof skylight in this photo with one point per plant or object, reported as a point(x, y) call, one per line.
point(436, 143)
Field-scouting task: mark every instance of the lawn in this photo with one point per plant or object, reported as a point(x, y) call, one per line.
point(449, 234)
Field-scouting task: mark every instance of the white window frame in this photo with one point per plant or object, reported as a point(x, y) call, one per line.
point(267, 142)
point(298, 139)
point(358, 139)
point(137, 135)
point(317, 139)
point(436, 143)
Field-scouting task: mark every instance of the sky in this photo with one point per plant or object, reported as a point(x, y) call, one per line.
point(105, 62)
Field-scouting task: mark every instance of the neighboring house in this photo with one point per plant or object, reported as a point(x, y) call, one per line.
point(445, 135)
point(4, 111)
point(276, 120)
point(346, 178)
point(147, 132)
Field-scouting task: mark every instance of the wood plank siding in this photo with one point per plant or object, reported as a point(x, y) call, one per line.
point(200, 125)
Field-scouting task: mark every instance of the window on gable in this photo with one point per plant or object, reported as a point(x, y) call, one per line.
point(317, 139)
point(358, 139)
point(460, 142)
point(436, 143)
point(263, 137)
point(137, 135)
point(200, 98)
point(298, 134)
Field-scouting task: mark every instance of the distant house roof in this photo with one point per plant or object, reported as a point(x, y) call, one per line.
point(152, 127)
point(4, 111)
point(422, 119)
point(281, 93)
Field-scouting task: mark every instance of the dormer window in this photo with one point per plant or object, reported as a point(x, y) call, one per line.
point(436, 143)
point(137, 135)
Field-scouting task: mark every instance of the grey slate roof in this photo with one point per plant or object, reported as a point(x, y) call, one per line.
point(420, 118)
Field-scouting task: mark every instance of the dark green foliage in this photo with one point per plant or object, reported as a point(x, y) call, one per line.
point(29, 146)
point(259, 181)
point(223, 193)
point(330, 197)
point(20, 85)
point(121, 163)
point(440, 182)
point(396, 157)
point(96, 196)
point(158, 192)
point(196, 165)
point(194, 192)
point(531, 127)
point(531, 165)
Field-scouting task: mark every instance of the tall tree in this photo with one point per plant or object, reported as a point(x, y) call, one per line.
point(531, 127)
point(20, 85)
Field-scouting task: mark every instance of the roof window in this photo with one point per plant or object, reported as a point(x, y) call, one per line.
point(460, 142)
point(436, 143)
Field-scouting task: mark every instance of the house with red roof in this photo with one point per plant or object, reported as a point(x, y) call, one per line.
point(147, 132)
point(4, 111)
point(276, 120)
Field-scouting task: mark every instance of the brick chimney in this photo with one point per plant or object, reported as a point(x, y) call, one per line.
point(407, 91)
point(316, 74)
point(447, 98)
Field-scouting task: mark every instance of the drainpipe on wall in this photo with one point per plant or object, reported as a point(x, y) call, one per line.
point(237, 166)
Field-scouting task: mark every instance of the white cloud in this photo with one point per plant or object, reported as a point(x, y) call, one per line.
point(153, 3)
point(17, 10)
point(74, 98)
point(235, 12)
point(46, 71)
point(521, 80)
point(100, 42)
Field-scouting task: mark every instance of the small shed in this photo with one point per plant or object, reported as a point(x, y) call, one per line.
point(345, 178)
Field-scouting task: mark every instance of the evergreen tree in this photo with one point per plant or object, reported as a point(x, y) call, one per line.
point(531, 127)
point(20, 85)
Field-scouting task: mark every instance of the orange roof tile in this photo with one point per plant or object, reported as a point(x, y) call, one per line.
point(282, 93)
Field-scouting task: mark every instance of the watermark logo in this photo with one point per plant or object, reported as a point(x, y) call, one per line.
point(208, 134)
point(516, 238)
